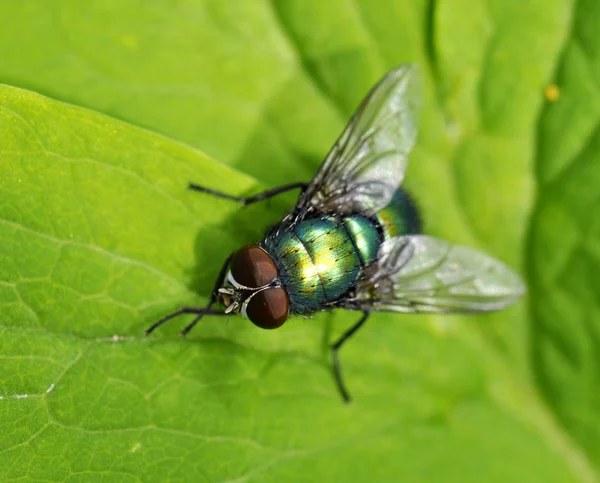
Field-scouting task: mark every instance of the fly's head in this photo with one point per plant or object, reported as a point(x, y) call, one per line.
point(253, 288)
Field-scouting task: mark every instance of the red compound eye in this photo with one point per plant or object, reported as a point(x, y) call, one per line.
point(253, 267)
point(268, 309)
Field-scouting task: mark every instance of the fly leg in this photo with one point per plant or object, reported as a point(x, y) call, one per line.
point(199, 311)
point(265, 195)
point(337, 367)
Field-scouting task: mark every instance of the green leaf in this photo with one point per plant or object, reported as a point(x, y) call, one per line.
point(565, 240)
point(99, 238)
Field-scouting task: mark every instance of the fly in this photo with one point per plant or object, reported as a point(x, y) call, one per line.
point(353, 239)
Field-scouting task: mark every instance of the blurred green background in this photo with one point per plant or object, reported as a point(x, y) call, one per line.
point(108, 109)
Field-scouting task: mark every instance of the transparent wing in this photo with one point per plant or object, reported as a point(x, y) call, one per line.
point(367, 163)
point(424, 274)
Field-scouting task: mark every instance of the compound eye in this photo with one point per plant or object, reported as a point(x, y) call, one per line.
point(253, 267)
point(268, 309)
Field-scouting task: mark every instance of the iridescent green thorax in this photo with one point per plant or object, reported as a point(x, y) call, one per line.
point(320, 259)
point(400, 216)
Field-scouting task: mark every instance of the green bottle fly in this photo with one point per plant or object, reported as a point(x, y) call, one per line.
point(320, 259)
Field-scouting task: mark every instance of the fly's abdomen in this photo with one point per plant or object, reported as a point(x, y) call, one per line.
point(319, 260)
point(400, 216)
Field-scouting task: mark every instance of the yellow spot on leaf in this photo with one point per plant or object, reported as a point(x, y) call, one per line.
point(552, 93)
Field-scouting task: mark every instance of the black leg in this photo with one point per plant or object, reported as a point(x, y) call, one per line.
point(337, 368)
point(199, 311)
point(209, 311)
point(183, 310)
point(250, 199)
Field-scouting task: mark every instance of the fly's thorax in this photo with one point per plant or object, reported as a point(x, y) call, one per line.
point(253, 288)
point(320, 259)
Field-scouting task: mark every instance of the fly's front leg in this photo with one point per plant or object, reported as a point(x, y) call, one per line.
point(337, 367)
point(199, 311)
point(265, 195)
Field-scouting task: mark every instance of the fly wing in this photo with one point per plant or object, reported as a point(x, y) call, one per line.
point(425, 274)
point(367, 163)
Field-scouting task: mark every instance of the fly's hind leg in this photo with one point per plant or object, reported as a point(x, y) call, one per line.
point(337, 367)
point(265, 195)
